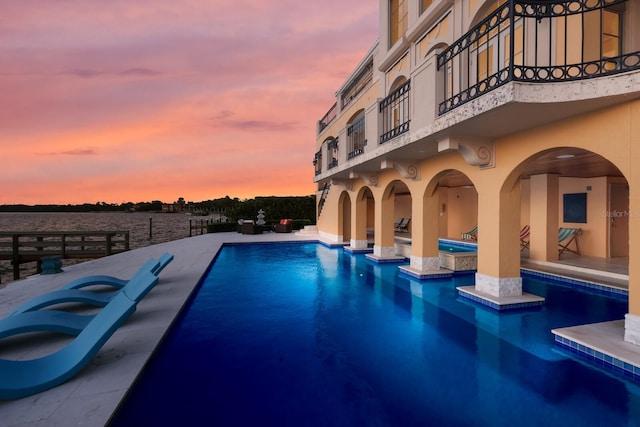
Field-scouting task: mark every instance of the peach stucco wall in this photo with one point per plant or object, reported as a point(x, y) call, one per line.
point(461, 211)
point(594, 231)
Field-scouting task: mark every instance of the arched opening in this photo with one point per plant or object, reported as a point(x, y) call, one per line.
point(399, 220)
point(362, 223)
point(344, 220)
point(447, 208)
point(458, 206)
point(572, 188)
point(356, 135)
point(369, 204)
point(332, 152)
point(394, 110)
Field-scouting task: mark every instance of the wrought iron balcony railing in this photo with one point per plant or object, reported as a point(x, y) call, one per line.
point(394, 113)
point(358, 84)
point(317, 162)
point(328, 117)
point(533, 41)
point(333, 153)
point(356, 138)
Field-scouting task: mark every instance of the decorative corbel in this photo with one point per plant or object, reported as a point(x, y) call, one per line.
point(475, 151)
point(346, 183)
point(406, 169)
point(369, 179)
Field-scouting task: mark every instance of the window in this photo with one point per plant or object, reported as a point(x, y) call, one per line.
point(394, 110)
point(518, 47)
point(424, 5)
point(332, 149)
point(317, 162)
point(398, 20)
point(485, 62)
point(358, 84)
point(611, 36)
point(355, 136)
point(449, 80)
point(601, 31)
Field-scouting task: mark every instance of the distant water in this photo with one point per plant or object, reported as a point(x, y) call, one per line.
point(164, 227)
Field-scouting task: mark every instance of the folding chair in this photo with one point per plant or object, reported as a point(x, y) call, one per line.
point(566, 236)
point(524, 237)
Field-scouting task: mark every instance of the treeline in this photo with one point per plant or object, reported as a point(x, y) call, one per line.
point(275, 208)
point(87, 207)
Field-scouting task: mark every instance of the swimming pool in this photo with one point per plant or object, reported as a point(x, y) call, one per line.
point(454, 247)
point(304, 335)
point(445, 245)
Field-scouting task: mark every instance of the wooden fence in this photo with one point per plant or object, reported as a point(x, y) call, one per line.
point(21, 247)
point(199, 226)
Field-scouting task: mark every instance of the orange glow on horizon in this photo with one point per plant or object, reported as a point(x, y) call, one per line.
point(137, 103)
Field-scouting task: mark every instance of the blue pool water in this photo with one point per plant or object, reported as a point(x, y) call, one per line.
point(451, 247)
point(305, 335)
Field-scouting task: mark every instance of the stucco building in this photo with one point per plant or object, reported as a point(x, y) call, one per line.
point(495, 114)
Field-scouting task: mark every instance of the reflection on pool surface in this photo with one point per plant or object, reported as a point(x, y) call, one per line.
point(444, 247)
point(300, 334)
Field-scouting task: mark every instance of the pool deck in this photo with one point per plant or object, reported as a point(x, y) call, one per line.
point(92, 396)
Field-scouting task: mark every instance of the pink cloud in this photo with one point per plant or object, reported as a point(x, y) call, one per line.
point(76, 152)
point(159, 99)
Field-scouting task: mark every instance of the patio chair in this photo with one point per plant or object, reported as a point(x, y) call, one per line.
point(284, 226)
point(103, 280)
point(404, 228)
point(250, 227)
point(85, 296)
point(524, 237)
point(20, 378)
point(58, 321)
point(566, 236)
point(399, 223)
point(471, 234)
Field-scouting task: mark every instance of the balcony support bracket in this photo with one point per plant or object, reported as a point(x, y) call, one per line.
point(369, 179)
point(346, 183)
point(407, 170)
point(479, 152)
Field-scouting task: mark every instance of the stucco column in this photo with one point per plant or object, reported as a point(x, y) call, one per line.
point(359, 223)
point(384, 239)
point(424, 236)
point(499, 242)
point(544, 200)
point(632, 319)
point(344, 218)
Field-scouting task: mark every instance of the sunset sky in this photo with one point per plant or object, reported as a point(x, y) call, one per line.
point(140, 100)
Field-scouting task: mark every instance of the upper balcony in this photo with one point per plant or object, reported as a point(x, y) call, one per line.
point(328, 118)
point(525, 64)
point(536, 42)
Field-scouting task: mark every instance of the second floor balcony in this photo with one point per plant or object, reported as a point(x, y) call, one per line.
point(394, 112)
point(536, 42)
point(525, 64)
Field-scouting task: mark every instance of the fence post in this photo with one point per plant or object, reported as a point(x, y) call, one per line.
point(16, 257)
point(108, 236)
point(63, 242)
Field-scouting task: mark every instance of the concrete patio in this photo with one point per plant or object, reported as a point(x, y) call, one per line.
point(91, 397)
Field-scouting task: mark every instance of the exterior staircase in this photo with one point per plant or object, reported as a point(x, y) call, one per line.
point(323, 197)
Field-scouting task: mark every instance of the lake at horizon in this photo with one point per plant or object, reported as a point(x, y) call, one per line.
point(164, 227)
